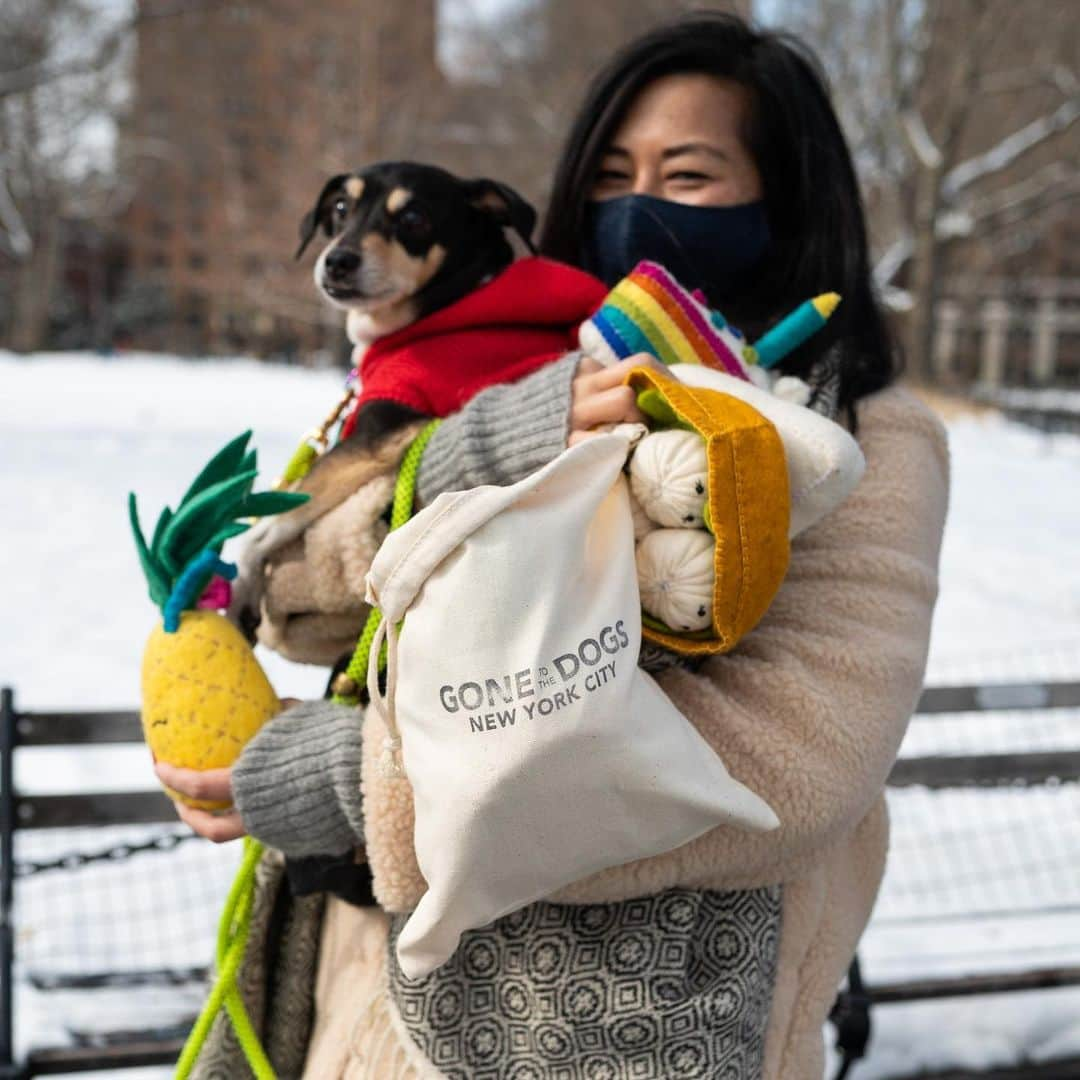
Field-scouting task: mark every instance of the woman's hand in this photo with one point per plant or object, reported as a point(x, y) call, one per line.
point(212, 785)
point(598, 396)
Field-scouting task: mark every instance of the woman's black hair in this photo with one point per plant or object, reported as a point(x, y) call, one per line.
point(810, 190)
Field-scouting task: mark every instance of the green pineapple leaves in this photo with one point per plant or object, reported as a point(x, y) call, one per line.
point(231, 459)
point(227, 532)
point(206, 517)
point(156, 575)
point(196, 512)
point(162, 521)
point(266, 503)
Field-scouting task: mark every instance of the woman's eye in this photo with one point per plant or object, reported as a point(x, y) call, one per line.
point(609, 175)
point(687, 175)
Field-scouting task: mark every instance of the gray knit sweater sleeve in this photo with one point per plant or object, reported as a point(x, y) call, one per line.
point(297, 783)
point(503, 434)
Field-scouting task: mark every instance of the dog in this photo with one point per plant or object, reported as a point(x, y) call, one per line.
point(404, 240)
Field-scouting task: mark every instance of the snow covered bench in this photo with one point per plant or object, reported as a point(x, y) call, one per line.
point(936, 772)
point(107, 973)
point(977, 851)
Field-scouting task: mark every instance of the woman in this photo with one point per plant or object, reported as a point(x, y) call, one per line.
point(712, 148)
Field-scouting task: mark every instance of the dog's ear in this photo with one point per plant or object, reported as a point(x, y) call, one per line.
point(316, 216)
point(505, 205)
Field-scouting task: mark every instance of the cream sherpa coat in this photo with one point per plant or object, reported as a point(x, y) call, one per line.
point(809, 712)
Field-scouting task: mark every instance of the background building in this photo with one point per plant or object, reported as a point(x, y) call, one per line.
point(240, 112)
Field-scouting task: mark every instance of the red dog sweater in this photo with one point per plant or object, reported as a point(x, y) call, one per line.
point(520, 320)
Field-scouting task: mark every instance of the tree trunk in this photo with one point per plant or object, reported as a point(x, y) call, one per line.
point(35, 282)
point(925, 276)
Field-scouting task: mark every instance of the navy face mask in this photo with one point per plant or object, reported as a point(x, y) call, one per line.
point(705, 247)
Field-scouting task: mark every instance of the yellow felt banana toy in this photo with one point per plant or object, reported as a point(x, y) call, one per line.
point(203, 692)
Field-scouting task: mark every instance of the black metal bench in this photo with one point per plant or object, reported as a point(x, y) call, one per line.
point(855, 1004)
point(116, 1050)
point(854, 1007)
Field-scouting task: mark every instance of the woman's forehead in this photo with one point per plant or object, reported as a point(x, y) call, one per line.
point(686, 110)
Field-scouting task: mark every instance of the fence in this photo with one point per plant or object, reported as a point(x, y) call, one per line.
point(1028, 335)
point(1013, 790)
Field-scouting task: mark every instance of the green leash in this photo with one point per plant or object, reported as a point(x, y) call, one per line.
point(347, 684)
point(233, 932)
point(234, 927)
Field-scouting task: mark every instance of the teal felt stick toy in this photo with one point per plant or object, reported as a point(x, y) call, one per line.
point(792, 330)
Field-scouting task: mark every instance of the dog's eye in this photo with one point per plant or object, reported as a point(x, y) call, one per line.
point(341, 207)
point(413, 221)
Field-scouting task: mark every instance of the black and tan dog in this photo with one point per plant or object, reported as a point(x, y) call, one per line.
point(404, 240)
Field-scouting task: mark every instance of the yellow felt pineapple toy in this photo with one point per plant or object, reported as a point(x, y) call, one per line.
point(203, 692)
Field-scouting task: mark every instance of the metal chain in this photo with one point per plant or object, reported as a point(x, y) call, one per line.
point(116, 853)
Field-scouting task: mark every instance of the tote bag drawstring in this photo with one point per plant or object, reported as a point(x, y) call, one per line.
point(384, 703)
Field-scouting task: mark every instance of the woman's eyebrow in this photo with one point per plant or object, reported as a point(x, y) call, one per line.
point(694, 147)
point(673, 151)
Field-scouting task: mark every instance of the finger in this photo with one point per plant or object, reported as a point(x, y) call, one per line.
point(220, 828)
point(587, 365)
point(600, 378)
point(612, 406)
point(642, 359)
point(615, 374)
point(212, 784)
point(597, 379)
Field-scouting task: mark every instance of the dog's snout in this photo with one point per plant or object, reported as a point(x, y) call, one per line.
point(341, 261)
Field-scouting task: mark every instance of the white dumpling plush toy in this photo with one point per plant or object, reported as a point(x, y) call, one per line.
point(676, 573)
point(643, 524)
point(668, 474)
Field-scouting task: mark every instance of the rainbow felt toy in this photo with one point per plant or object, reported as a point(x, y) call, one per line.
point(650, 312)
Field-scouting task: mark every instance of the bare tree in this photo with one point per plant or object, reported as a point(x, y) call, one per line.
point(58, 93)
point(64, 93)
point(959, 113)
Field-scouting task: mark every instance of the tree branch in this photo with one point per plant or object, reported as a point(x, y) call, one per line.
point(898, 253)
point(1033, 208)
point(33, 76)
point(1046, 179)
point(1010, 148)
point(17, 235)
point(1027, 78)
point(919, 139)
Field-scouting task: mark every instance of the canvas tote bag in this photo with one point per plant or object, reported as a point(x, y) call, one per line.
point(537, 750)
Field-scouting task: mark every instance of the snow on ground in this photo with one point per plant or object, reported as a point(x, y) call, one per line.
point(969, 872)
point(79, 434)
point(1023, 397)
point(1010, 577)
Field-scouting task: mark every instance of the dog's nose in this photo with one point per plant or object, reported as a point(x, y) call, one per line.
point(341, 261)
